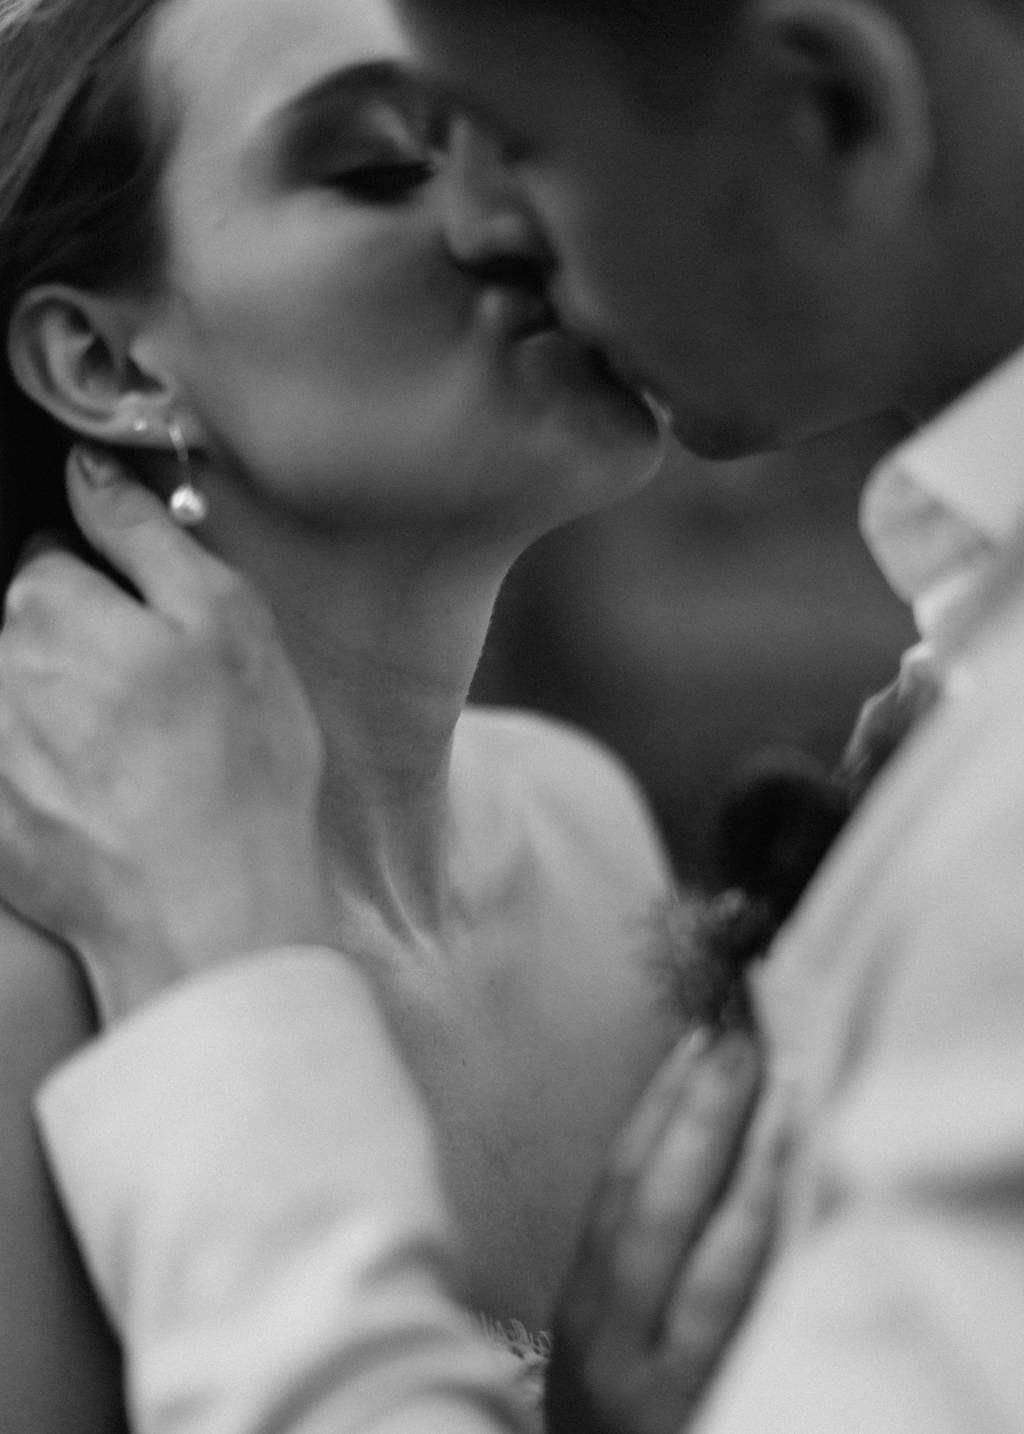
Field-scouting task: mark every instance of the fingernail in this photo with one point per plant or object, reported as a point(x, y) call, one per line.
point(96, 468)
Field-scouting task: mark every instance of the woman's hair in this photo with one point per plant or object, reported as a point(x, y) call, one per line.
point(81, 154)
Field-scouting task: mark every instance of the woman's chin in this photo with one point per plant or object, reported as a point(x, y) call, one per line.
point(583, 458)
point(618, 441)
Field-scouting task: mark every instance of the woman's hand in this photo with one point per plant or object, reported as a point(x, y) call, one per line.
point(159, 764)
point(675, 1242)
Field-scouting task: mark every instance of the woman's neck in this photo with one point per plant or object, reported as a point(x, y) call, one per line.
point(385, 630)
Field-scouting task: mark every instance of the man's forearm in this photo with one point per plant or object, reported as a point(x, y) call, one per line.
point(252, 1177)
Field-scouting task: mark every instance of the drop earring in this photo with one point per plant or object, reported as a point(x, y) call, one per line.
point(187, 503)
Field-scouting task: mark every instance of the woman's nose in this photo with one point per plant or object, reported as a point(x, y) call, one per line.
point(489, 225)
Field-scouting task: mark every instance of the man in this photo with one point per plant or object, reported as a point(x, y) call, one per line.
point(781, 215)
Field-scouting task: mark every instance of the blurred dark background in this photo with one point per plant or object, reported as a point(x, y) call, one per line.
point(729, 608)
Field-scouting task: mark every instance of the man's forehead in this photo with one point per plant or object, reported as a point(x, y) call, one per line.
point(519, 74)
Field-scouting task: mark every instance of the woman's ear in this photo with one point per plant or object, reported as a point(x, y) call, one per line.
point(857, 109)
point(73, 353)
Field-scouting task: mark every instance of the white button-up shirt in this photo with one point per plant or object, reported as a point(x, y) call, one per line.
point(938, 511)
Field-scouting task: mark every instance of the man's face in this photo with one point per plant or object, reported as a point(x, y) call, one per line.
point(671, 225)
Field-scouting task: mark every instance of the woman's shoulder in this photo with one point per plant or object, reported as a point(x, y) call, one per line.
point(534, 738)
point(559, 781)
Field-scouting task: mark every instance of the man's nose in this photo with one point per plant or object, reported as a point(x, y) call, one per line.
point(489, 224)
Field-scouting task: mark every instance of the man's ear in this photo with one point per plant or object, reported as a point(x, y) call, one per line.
point(857, 107)
point(76, 355)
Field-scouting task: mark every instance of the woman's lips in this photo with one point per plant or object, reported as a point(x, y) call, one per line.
point(630, 376)
point(527, 324)
point(527, 329)
point(617, 367)
point(553, 353)
point(511, 313)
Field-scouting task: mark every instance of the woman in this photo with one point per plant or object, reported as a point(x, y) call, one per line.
point(236, 241)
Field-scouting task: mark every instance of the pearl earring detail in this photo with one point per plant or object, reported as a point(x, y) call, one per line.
point(140, 426)
point(187, 503)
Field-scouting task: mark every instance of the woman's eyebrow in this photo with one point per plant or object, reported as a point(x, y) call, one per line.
point(340, 107)
point(352, 85)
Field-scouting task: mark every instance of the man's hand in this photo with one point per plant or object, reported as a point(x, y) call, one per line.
point(673, 1249)
point(159, 763)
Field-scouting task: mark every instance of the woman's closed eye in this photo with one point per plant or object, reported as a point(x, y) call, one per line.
point(384, 180)
point(373, 151)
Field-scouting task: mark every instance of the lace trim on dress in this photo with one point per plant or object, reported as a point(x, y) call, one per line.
point(531, 1352)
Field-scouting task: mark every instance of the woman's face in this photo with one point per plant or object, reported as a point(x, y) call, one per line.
point(337, 343)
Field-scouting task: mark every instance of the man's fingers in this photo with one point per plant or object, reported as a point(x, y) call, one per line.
point(714, 1286)
point(132, 529)
point(674, 1253)
point(42, 541)
point(53, 590)
point(66, 629)
point(585, 1287)
point(685, 1175)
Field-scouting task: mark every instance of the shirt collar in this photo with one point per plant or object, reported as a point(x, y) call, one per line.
point(940, 509)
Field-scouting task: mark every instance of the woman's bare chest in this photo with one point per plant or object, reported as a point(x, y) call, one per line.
point(516, 1127)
